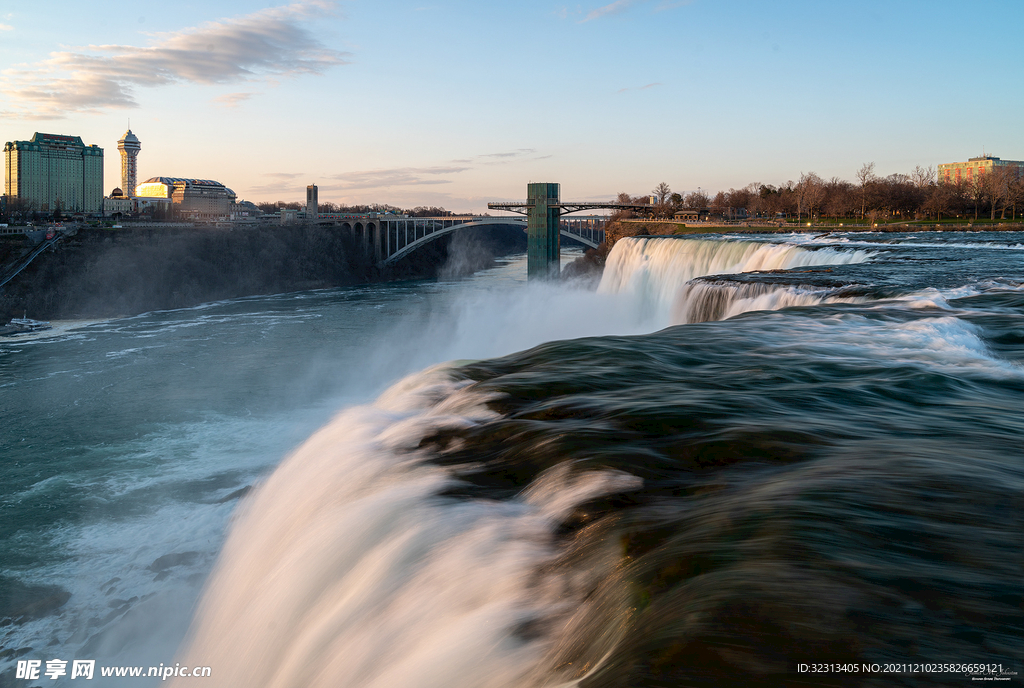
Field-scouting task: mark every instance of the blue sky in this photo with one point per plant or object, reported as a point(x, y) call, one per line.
point(458, 103)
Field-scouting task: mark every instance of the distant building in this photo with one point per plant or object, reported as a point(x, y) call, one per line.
point(692, 215)
point(129, 145)
point(312, 204)
point(117, 204)
point(52, 171)
point(245, 210)
point(197, 199)
point(974, 169)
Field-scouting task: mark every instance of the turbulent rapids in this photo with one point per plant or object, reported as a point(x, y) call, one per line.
point(715, 502)
point(735, 458)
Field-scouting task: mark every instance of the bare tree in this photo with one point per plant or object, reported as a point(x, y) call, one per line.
point(998, 186)
point(923, 176)
point(696, 200)
point(1016, 195)
point(810, 191)
point(865, 176)
point(662, 191)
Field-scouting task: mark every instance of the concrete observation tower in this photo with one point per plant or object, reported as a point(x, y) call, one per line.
point(129, 145)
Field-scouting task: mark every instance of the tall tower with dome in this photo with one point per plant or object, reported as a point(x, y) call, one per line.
point(129, 145)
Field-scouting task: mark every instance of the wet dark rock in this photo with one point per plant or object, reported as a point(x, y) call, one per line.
point(14, 653)
point(20, 602)
point(167, 561)
point(237, 494)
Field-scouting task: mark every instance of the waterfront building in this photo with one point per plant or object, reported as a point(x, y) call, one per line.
point(197, 199)
point(312, 203)
point(974, 169)
point(129, 145)
point(51, 171)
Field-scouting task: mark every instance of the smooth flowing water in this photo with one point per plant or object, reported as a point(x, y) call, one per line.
point(819, 460)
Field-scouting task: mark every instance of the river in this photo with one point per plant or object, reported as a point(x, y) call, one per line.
point(735, 456)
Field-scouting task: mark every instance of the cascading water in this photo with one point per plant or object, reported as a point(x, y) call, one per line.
point(372, 578)
point(657, 273)
point(704, 300)
point(710, 504)
point(347, 569)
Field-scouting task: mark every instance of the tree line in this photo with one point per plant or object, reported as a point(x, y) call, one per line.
point(327, 207)
point(918, 196)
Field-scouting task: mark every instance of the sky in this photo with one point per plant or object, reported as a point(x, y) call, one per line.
point(455, 104)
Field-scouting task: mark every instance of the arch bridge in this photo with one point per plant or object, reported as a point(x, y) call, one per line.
point(391, 237)
point(398, 237)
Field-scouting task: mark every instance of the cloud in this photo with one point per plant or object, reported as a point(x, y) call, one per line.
point(505, 157)
point(232, 100)
point(6, 27)
point(510, 154)
point(397, 176)
point(640, 88)
point(613, 8)
point(255, 47)
point(620, 6)
point(395, 182)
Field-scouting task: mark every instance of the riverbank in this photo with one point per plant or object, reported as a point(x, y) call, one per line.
point(102, 273)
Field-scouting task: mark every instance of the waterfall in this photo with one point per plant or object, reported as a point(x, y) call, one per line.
point(346, 568)
point(658, 274)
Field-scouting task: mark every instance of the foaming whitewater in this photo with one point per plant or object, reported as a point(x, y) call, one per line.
point(655, 271)
point(701, 301)
point(347, 568)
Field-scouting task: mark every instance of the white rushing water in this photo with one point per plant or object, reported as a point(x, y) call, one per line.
point(344, 567)
point(656, 272)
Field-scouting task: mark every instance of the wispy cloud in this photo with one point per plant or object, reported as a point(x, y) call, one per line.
point(640, 88)
point(612, 8)
point(254, 47)
point(395, 182)
point(510, 154)
point(397, 176)
point(6, 27)
point(620, 6)
point(232, 100)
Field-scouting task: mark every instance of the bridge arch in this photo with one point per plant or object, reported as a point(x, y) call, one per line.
point(395, 242)
point(444, 231)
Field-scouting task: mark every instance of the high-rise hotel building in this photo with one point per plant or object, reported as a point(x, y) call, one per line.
point(50, 171)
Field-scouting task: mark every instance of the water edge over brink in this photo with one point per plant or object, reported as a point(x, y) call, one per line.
point(818, 463)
